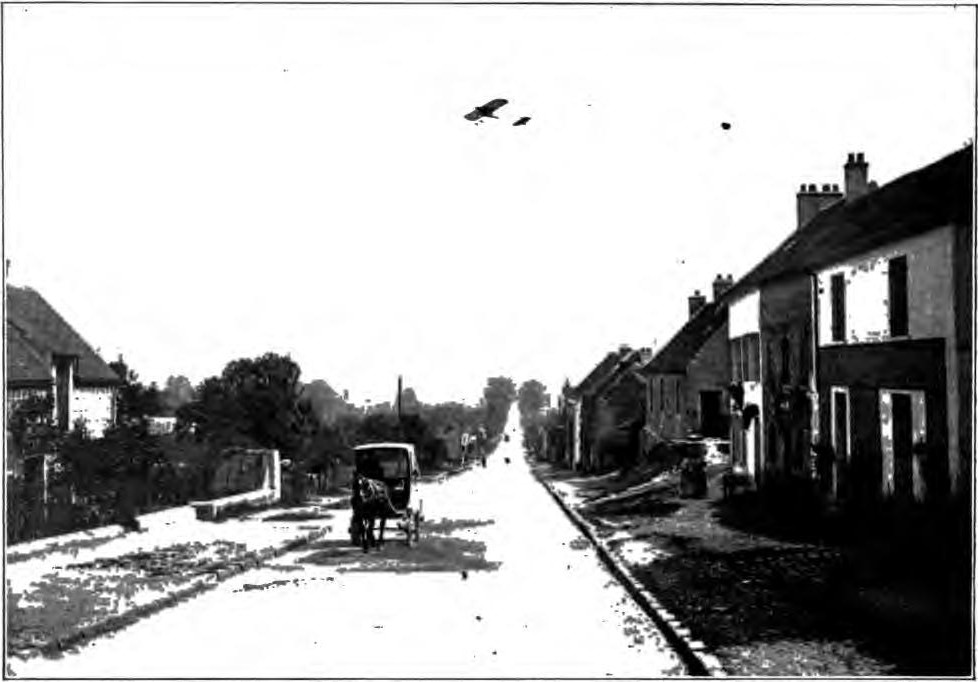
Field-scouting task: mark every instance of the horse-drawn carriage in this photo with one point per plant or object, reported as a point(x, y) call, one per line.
point(383, 477)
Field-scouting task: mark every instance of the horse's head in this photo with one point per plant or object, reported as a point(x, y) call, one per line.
point(369, 488)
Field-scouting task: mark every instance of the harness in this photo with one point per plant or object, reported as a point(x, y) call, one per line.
point(377, 494)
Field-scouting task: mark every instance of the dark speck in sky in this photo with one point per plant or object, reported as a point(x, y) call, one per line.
point(725, 125)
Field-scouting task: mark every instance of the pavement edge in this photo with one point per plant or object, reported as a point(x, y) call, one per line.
point(215, 575)
point(698, 662)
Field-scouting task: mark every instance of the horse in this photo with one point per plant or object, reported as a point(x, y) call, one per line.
point(373, 502)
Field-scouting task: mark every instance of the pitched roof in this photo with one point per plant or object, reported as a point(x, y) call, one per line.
point(933, 196)
point(676, 355)
point(601, 371)
point(36, 332)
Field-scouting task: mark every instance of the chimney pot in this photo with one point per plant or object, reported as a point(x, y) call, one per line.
point(720, 285)
point(856, 172)
point(802, 188)
point(696, 301)
point(835, 188)
point(812, 202)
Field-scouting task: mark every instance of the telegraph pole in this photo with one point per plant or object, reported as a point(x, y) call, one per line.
point(399, 390)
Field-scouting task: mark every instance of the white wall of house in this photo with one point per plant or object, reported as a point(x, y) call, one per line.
point(745, 315)
point(930, 309)
point(94, 405)
point(929, 291)
point(745, 318)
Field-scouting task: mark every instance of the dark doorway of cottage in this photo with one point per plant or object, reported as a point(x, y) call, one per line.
point(902, 446)
point(711, 417)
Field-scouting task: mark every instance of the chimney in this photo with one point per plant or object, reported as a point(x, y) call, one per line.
point(720, 285)
point(696, 301)
point(857, 176)
point(811, 200)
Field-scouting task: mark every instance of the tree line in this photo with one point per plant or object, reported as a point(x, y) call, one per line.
point(258, 402)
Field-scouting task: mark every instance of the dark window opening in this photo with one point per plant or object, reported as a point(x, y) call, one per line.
point(752, 351)
point(838, 307)
point(898, 296)
point(736, 351)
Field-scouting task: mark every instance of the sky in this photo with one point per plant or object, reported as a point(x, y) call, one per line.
point(189, 185)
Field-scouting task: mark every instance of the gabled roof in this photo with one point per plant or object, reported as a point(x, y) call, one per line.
point(36, 332)
point(930, 197)
point(676, 355)
point(601, 371)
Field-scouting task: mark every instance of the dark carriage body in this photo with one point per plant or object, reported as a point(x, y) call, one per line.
point(395, 466)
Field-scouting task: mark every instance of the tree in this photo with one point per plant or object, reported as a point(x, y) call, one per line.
point(532, 398)
point(499, 394)
point(177, 392)
point(409, 402)
point(135, 401)
point(255, 401)
point(326, 403)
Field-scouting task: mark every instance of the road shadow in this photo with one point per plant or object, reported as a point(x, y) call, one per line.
point(438, 550)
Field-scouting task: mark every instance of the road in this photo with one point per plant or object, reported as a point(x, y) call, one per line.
point(534, 601)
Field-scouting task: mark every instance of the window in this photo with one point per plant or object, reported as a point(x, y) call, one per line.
point(745, 358)
point(838, 307)
point(898, 296)
point(662, 395)
point(752, 353)
point(736, 353)
point(677, 397)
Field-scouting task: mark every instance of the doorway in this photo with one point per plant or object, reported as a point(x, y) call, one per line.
point(902, 446)
point(711, 417)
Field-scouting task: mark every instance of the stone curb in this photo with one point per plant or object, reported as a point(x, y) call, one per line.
point(693, 653)
point(215, 575)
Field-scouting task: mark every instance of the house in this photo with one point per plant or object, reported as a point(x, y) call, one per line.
point(824, 355)
point(686, 380)
point(46, 356)
point(601, 406)
point(620, 411)
point(894, 325)
point(770, 329)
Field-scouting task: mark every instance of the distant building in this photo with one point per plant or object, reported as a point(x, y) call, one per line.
point(687, 379)
point(603, 408)
point(46, 356)
point(158, 426)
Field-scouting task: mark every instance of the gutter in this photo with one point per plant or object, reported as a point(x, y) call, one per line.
point(693, 654)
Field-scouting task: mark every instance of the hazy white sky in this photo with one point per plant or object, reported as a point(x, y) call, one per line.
point(189, 185)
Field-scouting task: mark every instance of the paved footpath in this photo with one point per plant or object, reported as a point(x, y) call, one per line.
point(82, 584)
point(501, 585)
